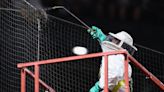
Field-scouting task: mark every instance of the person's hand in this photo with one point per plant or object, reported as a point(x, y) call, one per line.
point(95, 32)
point(92, 32)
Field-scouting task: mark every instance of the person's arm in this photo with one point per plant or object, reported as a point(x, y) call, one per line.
point(96, 33)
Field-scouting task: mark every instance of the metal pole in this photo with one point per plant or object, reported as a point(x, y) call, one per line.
point(126, 77)
point(152, 77)
point(70, 58)
point(62, 7)
point(106, 73)
point(40, 81)
point(23, 80)
point(36, 78)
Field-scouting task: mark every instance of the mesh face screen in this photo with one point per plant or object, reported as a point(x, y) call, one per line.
point(113, 39)
point(19, 43)
point(124, 45)
point(130, 49)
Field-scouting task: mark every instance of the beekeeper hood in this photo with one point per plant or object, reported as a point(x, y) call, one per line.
point(122, 40)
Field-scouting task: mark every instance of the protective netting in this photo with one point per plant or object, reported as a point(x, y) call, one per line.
point(57, 41)
point(18, 38)
point(28, 35)
point(26, 29)
point(151, 60)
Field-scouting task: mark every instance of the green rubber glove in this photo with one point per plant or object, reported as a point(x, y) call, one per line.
point(95, 88)
point(96, 33)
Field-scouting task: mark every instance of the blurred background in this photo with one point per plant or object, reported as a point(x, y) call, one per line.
point(143, 19)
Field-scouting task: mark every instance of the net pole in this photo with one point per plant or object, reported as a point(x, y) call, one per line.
point(39, 29)
point(23, 80)
point(106, 73)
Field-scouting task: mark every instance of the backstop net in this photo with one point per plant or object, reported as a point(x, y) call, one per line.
point(28, 34)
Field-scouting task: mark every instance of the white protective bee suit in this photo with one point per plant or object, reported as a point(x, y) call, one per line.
point(115, 62)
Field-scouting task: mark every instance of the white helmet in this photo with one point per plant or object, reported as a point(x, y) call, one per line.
point(126, 41)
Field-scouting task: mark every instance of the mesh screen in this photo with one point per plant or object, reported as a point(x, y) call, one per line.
point(17, 36)
point(57, 41)
point(20, 41)
point(151, 60)
point(20, 37)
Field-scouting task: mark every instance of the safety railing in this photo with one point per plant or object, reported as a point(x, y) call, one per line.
point(24, 71)
point(128, 58)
